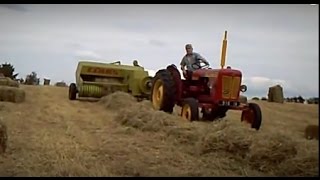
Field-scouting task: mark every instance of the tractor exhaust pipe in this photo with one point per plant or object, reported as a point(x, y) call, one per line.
point(224, 50)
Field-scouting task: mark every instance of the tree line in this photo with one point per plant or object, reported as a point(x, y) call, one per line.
point(295, 99)
point(7, 70)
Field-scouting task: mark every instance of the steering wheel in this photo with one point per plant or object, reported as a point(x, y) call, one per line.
point(197, 65)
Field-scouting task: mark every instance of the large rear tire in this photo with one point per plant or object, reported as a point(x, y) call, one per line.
point(163, 91)
point(73, 91)
point(252, 115)
point(190, 109)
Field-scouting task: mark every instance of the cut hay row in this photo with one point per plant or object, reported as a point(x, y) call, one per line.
point(267, 154)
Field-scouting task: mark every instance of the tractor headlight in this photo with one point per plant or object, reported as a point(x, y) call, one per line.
point(243, 88)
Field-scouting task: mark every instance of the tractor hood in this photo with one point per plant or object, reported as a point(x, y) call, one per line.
point(215, 72)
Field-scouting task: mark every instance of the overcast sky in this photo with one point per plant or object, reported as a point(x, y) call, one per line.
point(270, 44)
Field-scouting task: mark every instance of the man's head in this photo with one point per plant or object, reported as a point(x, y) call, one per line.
point(189, 48)
point(135, 63)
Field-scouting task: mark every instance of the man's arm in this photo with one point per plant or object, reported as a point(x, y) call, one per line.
point(183, 63)
point(199, 57)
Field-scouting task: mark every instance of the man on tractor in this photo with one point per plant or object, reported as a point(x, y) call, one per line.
point(192, 61)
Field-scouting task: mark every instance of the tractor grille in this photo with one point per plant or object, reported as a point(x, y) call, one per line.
point(230, 87)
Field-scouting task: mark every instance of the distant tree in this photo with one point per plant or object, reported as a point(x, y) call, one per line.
point(264, 99)
point(300, 99)
point(7, 70)
point(32, 79)
point(21, 81)
point(255, 98)
point(313, 100)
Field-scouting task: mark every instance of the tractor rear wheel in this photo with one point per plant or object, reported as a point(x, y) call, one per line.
point(73, 91)
point(252, 115)
point(163, 91)
point(190, 109)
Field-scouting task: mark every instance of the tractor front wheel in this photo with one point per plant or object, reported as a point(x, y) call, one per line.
point(190, 109)
point(73, 91)
point(252, 115)
point(163, 91)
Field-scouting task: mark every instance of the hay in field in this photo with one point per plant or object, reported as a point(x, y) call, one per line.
point(225, 137)
point(12, 94)
point(307, 165)
point(267, 152)
point(118, 100)
point(144, 118)
point(3, 137)
point(139, 115)
point(184, 134)
point(5, 81)
point(237, 149)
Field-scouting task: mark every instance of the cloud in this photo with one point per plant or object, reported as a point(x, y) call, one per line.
point(259, 86)
point(152, 73)
point(86, 54)
point(263, 40)
point(14, 7)
point(157, 43)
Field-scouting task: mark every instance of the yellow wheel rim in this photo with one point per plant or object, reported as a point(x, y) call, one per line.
point(157, 94)
point(186, 112)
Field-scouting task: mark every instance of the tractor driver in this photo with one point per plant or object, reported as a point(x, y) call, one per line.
point(135, 63)
point(189, 59)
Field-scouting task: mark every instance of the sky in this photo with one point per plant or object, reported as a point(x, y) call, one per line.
point(270, 44)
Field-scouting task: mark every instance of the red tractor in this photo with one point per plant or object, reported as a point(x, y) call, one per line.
point(214, 91)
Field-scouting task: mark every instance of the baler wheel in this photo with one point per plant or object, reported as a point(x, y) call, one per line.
point(73, 91)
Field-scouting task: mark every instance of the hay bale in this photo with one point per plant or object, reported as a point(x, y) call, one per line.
point(275, 94)
point(46, 82)
point(243, 99)
point(12, 94)
point(6, 81)
point(61, 84)
point(312, 132)
point(3, 137)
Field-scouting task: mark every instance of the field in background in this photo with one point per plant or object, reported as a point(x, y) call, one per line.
point(48, 135)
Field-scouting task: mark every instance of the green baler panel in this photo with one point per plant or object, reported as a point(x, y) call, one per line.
point(128, 79)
